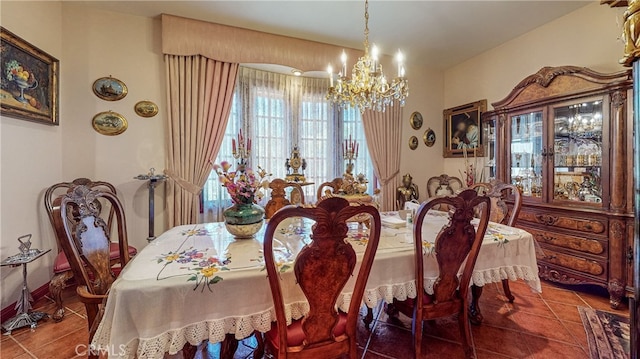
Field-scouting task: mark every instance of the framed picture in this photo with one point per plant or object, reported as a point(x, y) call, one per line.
point(413, 142)
point(28, 81)
point(429, 137)
point(146, 109)
point(109, 89)
point(416, 120)
point(109, 123)
point(462, 130)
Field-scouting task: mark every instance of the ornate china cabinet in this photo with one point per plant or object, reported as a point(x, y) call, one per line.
point(564, 137)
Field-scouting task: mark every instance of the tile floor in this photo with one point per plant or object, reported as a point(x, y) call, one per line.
point(537, 326)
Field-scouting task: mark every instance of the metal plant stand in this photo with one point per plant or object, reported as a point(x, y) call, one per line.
point(154, 180)
point(24, 317)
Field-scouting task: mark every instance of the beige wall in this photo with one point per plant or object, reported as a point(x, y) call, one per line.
point(89, 44)
point(30, 157)
point(586, 37)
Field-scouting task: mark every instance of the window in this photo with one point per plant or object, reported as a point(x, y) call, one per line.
point(278, 112)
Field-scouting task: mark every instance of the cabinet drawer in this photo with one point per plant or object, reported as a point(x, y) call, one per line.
point(580, 244)
point(596, 268)
point(565, 221)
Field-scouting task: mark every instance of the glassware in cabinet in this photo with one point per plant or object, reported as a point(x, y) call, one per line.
point(527, 152)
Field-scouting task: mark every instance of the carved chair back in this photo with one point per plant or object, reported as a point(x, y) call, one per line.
point(64, 187)
point(322, 268)
point(443, 185)
point(279, 199)
point(86, 239)
point(328, 188)
point(498, 193)
point(457, 244)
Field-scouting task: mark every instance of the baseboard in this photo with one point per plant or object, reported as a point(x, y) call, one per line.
point(10, 310)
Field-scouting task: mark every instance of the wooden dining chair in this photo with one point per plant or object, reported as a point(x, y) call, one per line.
point(61, 267)
point(456, 246)
point(322, 268)
point(279, 198)
point(86, 242)
point(443, 185)
point(501, 212)
point(328, 188)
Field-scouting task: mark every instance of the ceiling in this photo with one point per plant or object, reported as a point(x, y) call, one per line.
point(439, 34)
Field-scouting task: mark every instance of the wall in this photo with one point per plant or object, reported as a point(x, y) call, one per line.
point(586, 37)
point(31, 156)
point(90, 44)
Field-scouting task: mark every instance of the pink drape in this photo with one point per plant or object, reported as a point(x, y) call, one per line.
point(383, 131)
point(199, 96)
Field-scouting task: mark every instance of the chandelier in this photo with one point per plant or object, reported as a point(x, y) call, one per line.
point(367, 88)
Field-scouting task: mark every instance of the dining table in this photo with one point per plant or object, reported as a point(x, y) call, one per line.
point(196, 282)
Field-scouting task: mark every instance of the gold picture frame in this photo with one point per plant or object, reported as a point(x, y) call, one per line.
point(29, 81)
point(416, 120)
point(463, 130)
point(109, 88)
point(109, 123)
point(146, 108)
point(413, 142)
point(429, 137)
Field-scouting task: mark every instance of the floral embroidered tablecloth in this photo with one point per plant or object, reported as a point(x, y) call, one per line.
point(196, 282)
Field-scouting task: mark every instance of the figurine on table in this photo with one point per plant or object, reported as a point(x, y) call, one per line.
point(408, 191)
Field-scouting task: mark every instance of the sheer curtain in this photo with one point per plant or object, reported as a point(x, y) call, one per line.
point(280, 111)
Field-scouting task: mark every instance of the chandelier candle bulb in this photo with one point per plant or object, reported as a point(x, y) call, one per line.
point(343, 58)
point(330, 71)
point(400, 59)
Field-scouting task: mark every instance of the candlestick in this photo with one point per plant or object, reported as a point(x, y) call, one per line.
point(400, 58)
point(344, 63)
point(330, 71)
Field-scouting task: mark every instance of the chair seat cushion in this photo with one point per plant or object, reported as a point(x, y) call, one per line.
point(62, 264)
point(295, 334)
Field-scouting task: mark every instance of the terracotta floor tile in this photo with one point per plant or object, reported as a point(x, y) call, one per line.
point(483, 354)
point(520, 288)
point(48, 331)
point(400, 320)
point(374, 355)
point(443, 328)
point(434, 348)
point(392, 341)
point(531, 305)
point(602, 303)
point(542, 348)
point(578, 332)
point(566, 312)
point(499, 317)
point(499, 341)
point(561, 296)
point(10, 349)
point(24, 356)
point(68, 346)
point(544, 327)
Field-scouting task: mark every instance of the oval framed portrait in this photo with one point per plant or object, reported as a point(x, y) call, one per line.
point(109, 89)
point(146, 108)
point(413, 142)
point(429, 137)
point(109, 123)
point(416, 120)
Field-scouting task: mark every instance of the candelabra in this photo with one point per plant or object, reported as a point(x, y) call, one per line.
point(241, 150)
point(350, 150)
point(154, 179)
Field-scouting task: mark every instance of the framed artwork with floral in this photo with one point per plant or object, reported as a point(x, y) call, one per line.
point(28, 81)
point(462, 130)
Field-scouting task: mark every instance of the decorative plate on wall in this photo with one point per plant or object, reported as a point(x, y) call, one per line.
point(146, 109)
point(109, 89)
point(429, 137)
point(413, 142)
point(109, 123)
point(416, 120)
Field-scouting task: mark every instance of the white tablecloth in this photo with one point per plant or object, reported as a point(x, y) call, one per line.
point(196, 283)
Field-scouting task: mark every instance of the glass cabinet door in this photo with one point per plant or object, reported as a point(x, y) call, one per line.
point(527, 153)
point(489, 133)
point(577, 159)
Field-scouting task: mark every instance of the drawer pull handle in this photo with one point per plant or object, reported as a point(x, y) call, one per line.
point(546, 219)
point(547, 238)
point(551, 257)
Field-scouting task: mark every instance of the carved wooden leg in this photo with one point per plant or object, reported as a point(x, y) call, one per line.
point(368, 318)
point(507, 290)
point(475, 316)
point(258, 353)
point(56, 286)
point(616, 292)
point(229, 347)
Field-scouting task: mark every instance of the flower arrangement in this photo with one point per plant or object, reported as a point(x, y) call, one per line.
point(472, 173)
point(243, 185)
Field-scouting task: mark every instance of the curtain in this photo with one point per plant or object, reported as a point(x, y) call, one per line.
point(384, 134)
point(199, 94)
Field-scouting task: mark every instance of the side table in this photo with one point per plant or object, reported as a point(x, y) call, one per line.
point(24, 317)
